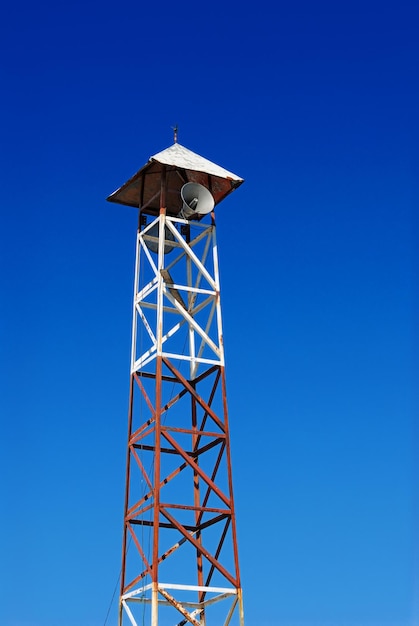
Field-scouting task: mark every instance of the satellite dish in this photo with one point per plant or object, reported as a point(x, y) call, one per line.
point(197, 200)
point(154, 245)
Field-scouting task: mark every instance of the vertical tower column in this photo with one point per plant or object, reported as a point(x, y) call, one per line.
point(179, 559)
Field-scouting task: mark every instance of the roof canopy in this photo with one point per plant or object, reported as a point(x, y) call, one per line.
point(182, 166)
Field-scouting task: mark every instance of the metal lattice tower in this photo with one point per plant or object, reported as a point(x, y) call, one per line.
point(179, 555)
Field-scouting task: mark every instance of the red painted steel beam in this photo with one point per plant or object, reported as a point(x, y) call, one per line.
point(192, 391)
point(197, 468)
point(206, 553)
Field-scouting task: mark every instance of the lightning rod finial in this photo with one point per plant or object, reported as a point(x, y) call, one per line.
point(175, 129)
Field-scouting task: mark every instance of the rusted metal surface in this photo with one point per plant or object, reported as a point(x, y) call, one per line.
point(143, 189)
point(164, 516)
point(127, 489)
point(230, 478)
point(175, 293)
point(179, 607)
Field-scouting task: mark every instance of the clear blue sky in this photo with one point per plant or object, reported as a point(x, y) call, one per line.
point(316, 106)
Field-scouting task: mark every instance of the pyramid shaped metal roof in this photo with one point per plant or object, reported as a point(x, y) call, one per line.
point(182, 166)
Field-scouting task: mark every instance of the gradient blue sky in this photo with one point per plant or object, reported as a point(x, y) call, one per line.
point(315, 105)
